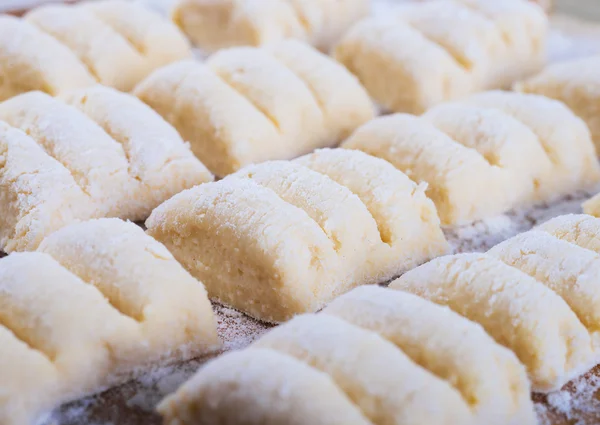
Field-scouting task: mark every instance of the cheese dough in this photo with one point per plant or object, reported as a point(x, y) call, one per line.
point(380, 379)
point(260, 387)
point(33, 60)
point(112, 39)
point(249, 105)
point(508, 149)
point(574, 82)
point(140, 278)
point(122, 158)
point(580, 229)
point(489, 377)
point(38, 195)
point(229, 234)
point(518, 311)
point(216, 25)
point(570, 271)
point(422, 54)
point(134, 307)
point(160, 162)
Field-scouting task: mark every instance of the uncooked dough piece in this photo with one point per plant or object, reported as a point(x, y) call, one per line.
point(232, 234)
point(423, 54)
point(379, 378)
point(99, 302)
point(33, 60)
point(159, 160)
point(580, 229)
point(29, 380)
point(462, 183)
point(107, 38)
point(216, 25)
point(577, 84)
point(38, 195)
point(141, 279)
point(569, 270)
point(564, 137)
point(515, 309)
point(156, 38)
point(489, 377)
point(88, 342)
point(251, 249)
point(501, 139)
point(407, 220)
point(259, 387)
point(96, 161)
point(248, 105)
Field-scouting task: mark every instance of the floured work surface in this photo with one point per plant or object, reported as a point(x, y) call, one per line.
point(577, 403)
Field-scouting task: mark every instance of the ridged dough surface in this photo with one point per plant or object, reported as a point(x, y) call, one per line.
point(487, 153)
point(131, 306)
point(296, 234)
point(424, 53)
point(216, 25)
point(260, 387)
point(381, 380)
point(491, 380)
point(574, 82)
point(518, 311)
point(580, 229)
point(38, 195)
point(247, 105)
point(33, 60)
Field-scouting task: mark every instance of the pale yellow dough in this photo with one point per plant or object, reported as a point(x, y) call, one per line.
point(489, 377)
point(33, 60)
point(508, 149)
point(111, 155)
point(247, 105)
point(57, 48)
point(38, 195)
point(580, 229)
point(577, 84)
point(425, 53)
point(343, 225)
point(260, 387)
point(518, 311)
point(131, 306)
point(380, 379)
point(215, 25)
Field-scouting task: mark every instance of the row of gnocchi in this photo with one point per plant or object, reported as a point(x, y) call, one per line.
point(461, 339)
point(97, 152)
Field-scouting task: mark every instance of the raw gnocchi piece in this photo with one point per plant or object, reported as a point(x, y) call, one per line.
point(134, 306)
point(58, 48)
point(508, 149)
point(426, 154)
point(260, 387)
point(580, 229)
point(406, 218)
point(570, 271)
point(379, 378)
point(141, 279)
point(491, 380)
point(564, 136)
point(518, 311)
point(577, 84)
point(33, 60)
point(216, 25)
point(121, 159)
point(38, 195)
point(230, 234)
point(249, 105)
point(426, 53)
point(159, 160)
